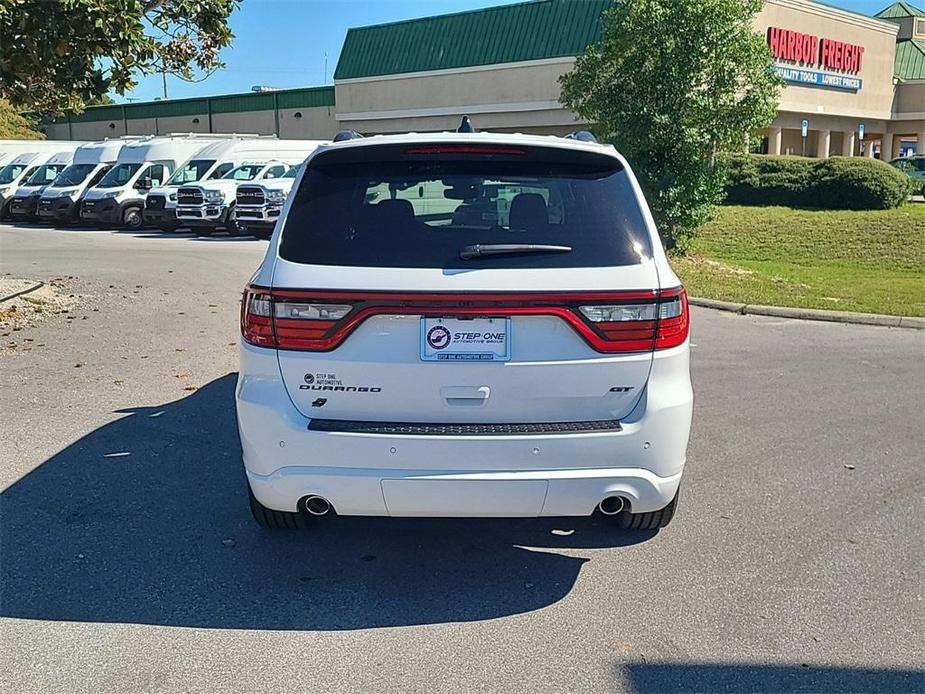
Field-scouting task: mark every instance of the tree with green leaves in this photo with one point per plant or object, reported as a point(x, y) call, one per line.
point(670, 84)
point(14, 126)
point(60, 55)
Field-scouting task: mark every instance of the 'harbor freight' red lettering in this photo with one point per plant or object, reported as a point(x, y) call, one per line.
point(806, 49)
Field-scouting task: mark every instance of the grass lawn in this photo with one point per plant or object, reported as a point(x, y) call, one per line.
point(871, 261)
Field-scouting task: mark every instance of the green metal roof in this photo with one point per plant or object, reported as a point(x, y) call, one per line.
point(910, 60)
point(305, 97)
point(899, 10)
point(505, 34)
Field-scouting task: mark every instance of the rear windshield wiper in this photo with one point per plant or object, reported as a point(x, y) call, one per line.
point(478, 250)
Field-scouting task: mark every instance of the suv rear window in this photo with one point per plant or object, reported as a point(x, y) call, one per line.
point(420, 206)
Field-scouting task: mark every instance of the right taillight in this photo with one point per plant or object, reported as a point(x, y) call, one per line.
point(629, 327)
point(673, 319)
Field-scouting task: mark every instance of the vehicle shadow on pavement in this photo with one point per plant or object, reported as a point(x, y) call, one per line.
point(145, 520)
point(799, 677)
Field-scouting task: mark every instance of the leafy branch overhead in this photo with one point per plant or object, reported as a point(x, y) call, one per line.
point(671, 83)
point(61, 55)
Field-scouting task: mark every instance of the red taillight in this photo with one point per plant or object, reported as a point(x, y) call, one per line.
point(257, 318)
point(674, 323)
point(610, 322)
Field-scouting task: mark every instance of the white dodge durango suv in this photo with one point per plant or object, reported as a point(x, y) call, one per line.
point(464, 324)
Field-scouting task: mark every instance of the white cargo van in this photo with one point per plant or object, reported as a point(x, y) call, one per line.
point(60, 201)
point(209, 206)
point(258, 205)
point(212, 162)
point(119, 198)
point(10, 148)
point(19, 169)
point(25, 200)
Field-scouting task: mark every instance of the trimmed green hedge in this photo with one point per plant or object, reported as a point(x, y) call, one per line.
point(837, 183)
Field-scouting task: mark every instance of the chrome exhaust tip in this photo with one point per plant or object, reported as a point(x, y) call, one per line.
point(611, 506)
point(317, 505)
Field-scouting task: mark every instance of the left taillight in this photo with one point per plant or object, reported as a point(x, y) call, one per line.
point(257, 318)
point(268, 321)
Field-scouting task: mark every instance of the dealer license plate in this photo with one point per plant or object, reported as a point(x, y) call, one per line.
point(460, 339)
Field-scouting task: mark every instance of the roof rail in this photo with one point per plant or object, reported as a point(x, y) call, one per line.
point(216, 136)
point(581, 136)
point(465, 126)
point(345, 135)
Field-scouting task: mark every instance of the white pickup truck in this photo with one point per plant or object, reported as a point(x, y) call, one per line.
point(209, 207)
point(258, 206)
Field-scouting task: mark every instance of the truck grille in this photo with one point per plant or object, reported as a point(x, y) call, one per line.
point(250, 195)
point(189, 196)
point(155, 202)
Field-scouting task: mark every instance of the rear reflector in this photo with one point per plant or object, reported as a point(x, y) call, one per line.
point(610, 322)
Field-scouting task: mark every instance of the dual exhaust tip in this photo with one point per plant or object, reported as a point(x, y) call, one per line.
point(611, 505)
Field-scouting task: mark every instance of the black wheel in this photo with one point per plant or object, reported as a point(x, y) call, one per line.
point(274, 520)
point(648, 521)
point(232, 226)
point(133, 219)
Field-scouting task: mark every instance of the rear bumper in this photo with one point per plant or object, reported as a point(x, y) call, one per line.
point(425, 475)
point(431, 493)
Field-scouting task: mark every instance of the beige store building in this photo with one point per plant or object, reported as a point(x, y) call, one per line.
point(858, 82)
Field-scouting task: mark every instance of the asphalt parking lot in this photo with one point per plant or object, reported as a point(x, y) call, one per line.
point(130, 563)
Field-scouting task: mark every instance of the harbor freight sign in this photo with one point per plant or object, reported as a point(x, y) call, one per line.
point(812, 51)
point(793, 75)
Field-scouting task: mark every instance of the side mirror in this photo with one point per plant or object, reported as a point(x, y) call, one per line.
point(144, 183)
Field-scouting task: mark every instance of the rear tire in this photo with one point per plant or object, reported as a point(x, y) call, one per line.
point(652, 520)
point(272, 519)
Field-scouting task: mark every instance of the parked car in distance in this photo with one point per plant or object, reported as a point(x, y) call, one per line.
point(210, 163)
point(209, 207)
point(470, 324)
point(118, 200)
point(258, 205)
point(60, 201)
point(914, 166)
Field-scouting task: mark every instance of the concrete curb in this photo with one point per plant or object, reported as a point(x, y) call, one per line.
point(22, 292)
point(813, 314)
